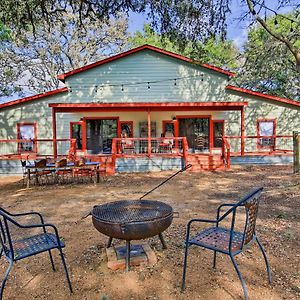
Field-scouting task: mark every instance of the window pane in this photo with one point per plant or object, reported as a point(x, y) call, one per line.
point(26, 132)
point(77, 134)
point(218, 134)
point(266, 128)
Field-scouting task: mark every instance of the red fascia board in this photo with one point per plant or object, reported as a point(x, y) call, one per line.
point(262, 95)
point(144, 106)
point(155, 49)
point(35, 97)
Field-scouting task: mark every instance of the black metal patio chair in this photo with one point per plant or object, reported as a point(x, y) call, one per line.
point(20, 248)
point(228, 241)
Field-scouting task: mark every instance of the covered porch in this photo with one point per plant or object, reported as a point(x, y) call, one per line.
point(133, 131)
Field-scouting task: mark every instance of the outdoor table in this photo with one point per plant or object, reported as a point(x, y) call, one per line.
point(52, 167)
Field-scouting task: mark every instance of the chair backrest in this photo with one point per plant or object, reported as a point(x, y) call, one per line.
point(5, 238)
point(41, 163)
point(61, 163)
point(251, 203)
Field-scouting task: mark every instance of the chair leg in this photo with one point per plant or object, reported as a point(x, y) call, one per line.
point(266, 259)
point(240, 277)
point(66, 270)
point(52, 262)
point(215, 259)
point(184, 266)
point(5, 279)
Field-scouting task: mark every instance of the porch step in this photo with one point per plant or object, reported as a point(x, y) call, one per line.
point(205, 162)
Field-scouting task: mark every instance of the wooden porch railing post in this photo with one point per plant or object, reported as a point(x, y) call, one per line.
point(114, 154)
point(296, 151)
point(185, 150)
point(54, 133)
point(242, 132)
point(149, 133)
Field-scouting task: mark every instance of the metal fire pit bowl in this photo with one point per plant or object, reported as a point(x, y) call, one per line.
point(132, 219)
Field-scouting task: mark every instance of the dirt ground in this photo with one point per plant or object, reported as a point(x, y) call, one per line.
point(190, 194)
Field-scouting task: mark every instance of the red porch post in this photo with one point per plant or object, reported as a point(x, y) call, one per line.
point(242, 132)
point(149, 133)
point(210, 135)
point(54, 132)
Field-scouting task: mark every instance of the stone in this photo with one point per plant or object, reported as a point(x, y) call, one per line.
point(140, 255)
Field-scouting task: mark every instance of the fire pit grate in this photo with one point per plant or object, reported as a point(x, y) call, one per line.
point(129, 211)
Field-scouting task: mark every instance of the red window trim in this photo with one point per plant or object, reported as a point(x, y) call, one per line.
point(164, 122)
point(259, 146)
point(223, 129)
point(79, 123)
point(97, 118)
point(126, 122)
point(35, 148)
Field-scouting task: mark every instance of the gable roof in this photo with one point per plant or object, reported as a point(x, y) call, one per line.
point(62, 77)
point(32, 98)
point(262, 95)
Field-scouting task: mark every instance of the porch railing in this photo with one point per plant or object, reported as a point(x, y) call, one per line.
point(139, 147)
point(260, 145)
point(34, 148)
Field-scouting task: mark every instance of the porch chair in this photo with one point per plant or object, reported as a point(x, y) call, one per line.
point(63, 173)
point(228, 241)
point(41, 173)
point(82, 172)
point(167, 143)
point(20, 248)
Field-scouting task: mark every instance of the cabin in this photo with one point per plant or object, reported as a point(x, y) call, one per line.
point(148, 109)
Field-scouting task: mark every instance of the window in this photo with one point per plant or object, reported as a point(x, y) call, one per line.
point(197, 132)
point(76, 133)
point(27, 132)
point(218, 132)
point(266, 130)
point(99, 135)
point(127, 127)
point(168, 126)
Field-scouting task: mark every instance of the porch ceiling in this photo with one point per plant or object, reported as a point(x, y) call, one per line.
point(166, 106)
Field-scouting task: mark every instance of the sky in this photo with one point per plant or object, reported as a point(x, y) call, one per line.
point(237, 30)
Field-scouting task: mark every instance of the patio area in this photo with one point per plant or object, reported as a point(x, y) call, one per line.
point(192, 195)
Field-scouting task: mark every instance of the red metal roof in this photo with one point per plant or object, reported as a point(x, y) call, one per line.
point(35, 97)
point(148, 47)
point(262, 95)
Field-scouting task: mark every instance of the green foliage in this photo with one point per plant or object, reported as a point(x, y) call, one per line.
point(4, 33)
point(213, 51)
point(269, 65)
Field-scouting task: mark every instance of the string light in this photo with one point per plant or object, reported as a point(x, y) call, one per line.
point(101, 87)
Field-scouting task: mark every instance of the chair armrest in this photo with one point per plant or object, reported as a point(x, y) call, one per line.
point(201, 221)
point(232, 205)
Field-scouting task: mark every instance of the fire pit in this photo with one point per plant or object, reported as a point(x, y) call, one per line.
point(132, 220)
